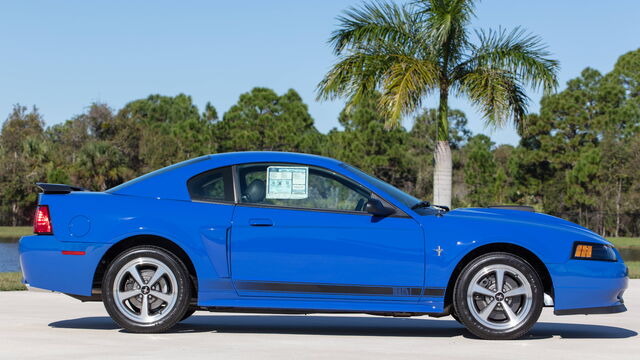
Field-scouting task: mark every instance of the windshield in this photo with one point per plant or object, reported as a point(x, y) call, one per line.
point(393, 191)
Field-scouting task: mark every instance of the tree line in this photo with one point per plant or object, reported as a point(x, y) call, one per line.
point(578, 158)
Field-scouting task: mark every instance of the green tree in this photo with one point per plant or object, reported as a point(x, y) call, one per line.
point(553, 141)
point(503, 186)
point(574, 157)
point(22, 154)
point(19, 126)
point(408, 52)
point(263, 120)
point(366, 144)
point(66, 139)
point(620, 92)
point(480, 171)
point(581, 181)
point(161, 130)
point(100, 165)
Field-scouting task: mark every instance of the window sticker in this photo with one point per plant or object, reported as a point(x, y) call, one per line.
point(287, 182)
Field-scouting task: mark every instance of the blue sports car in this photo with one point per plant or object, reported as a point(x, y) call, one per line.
point(295, 233)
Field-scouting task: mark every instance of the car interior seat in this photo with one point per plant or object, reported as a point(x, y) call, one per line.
point(255, 192)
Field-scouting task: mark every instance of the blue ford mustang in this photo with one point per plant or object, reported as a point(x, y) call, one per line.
point(285, 232)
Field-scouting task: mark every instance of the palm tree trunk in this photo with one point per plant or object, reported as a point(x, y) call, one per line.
point(442, 174)
point(14, 214)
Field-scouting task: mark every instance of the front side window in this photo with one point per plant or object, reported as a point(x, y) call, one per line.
point(299, 186)
point(212, 186)
point(394, 192)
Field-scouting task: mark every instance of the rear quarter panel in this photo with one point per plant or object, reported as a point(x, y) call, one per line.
point(96, 221)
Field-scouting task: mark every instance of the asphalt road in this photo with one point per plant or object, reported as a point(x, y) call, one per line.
point(37, 325)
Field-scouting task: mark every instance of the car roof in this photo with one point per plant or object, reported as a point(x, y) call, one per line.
point(282, 156)
point(168, 182)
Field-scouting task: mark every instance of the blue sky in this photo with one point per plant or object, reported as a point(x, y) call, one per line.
point(61, 56)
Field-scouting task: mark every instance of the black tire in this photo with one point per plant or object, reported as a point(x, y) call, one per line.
point(176, 279)
point(190, 311)
point(455, 317)
point(498, 324)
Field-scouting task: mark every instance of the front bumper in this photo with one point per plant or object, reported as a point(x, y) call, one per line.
point(594, 310)
point(589, 287)
point(45, 266)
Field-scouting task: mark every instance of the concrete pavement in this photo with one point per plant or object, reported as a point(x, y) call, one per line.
point(38, 325)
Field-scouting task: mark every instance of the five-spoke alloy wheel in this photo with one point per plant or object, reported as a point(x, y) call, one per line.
point(498, 296)
point(146, 289)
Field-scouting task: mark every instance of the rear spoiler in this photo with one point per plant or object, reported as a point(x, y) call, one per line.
point(58, 188)
point(513, 207)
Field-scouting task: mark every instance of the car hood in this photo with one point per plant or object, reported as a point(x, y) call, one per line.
point(523, 217)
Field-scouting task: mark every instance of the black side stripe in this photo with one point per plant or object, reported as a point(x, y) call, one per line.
point(337, 289)
point(434, 292)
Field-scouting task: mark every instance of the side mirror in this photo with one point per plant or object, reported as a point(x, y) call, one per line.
point(375, 207)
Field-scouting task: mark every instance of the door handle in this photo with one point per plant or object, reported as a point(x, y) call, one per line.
point(260, 222)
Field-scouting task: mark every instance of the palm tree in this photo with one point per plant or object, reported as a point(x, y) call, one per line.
point(408, 52)
point(101, 165)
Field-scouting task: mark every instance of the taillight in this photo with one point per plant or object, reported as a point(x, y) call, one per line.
point(42, 221)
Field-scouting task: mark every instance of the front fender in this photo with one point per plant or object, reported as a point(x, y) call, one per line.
point(457, 236)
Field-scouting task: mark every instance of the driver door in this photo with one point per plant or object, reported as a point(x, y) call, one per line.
point(322, 244)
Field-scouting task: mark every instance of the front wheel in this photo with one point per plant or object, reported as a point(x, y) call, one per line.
point(146, 289)
point(456, 317)
point(190, 311)
point(498, 296)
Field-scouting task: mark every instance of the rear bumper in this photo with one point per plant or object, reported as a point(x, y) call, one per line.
point(589, 287)
point(66, 267)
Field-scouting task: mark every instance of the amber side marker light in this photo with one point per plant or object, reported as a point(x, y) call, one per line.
point(583, 251)
point(593, 251)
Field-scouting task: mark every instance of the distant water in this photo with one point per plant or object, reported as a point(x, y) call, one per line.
point(630, 254)
point(9, 257)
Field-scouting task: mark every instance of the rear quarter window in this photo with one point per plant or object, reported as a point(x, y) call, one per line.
point(212, 186)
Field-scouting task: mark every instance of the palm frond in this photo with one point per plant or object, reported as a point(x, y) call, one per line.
point(354, 76)
point(497, 93)
point(405, 84)
point(361, 73)
point(375, 22)
point(518, 52)
point(447, 23)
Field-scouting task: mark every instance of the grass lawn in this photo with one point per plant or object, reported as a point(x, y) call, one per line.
point(634, 269)
point(14, 232)
point(11, 281)
point(625, 242)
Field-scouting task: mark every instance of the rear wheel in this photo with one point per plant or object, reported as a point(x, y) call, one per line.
point(498, 296)
point(146, 289)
